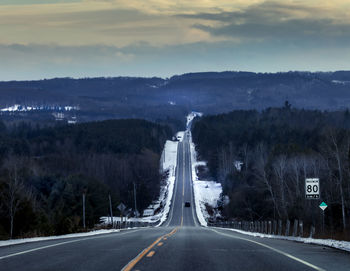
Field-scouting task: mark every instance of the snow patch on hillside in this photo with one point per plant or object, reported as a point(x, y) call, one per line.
point(340, 82)
point(24, 108)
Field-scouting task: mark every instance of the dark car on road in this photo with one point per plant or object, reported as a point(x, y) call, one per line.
point(187, 204)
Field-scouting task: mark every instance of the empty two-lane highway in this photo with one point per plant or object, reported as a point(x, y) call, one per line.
point(180, 244)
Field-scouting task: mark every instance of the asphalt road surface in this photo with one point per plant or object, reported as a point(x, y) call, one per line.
point(180, 244)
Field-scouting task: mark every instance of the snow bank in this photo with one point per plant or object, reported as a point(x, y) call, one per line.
point(106, 220)
point(208, 192)
point(205, 192)
point(168, 163)
point(343, 245)
point(180, 135)
point(169, 155)
point(37, 239)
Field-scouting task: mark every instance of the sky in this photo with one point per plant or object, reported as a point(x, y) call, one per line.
point(88, 38)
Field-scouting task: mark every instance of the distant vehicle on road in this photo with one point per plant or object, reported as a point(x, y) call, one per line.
point(187, 204)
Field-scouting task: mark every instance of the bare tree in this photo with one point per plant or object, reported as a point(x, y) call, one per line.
point(295, 174)
point(336, 159)
point(14, 189)
point(246, 155)
point(260, 171)
point(280, 168)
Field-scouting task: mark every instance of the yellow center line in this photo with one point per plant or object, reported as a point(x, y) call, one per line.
point(131, 264)
point(151, 254)
point(157, 242)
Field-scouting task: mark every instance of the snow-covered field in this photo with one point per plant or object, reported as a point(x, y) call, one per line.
point(340, 82)
point(66, 236)
point(344, 245)
point(24, 108)
point(208, 191)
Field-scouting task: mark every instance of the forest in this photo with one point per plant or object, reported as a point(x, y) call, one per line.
point(279, 148)
point(170, 99)
point(44, 171)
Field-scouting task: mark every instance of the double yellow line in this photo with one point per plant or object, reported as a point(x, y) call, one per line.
point(146, 251)
point(130, 265)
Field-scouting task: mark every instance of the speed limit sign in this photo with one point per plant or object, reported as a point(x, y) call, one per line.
point(312, 188)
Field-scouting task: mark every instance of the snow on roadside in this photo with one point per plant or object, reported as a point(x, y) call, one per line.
point(205, 192)
point(167, 163)
point(66, 236)
point(343, 245)
point(208, 191)
point(169, 160)
point(180, 135)
point(191, 116)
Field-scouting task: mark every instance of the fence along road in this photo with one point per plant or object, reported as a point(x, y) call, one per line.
point(180, 244)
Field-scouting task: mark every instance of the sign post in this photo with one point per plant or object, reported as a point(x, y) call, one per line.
point(121, 208)
point(312, 188)
point(323, 206)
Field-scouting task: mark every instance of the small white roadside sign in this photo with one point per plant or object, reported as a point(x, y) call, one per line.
point(312, 188)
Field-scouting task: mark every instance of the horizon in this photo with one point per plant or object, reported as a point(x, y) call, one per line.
point(171, 76)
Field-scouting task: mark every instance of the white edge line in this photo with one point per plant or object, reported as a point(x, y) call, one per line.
point(274, 249)
point(62, 243)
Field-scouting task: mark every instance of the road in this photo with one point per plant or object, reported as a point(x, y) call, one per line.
point(180, 244)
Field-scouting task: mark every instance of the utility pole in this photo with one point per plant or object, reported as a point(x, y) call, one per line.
point(135, 200)
point(84, 210)
point(110, 208)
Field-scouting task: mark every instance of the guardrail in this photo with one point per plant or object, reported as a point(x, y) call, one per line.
point(132, 224)
point(272, 227)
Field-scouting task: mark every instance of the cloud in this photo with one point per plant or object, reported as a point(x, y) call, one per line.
point(142, 59)
point(166, 22)
point(277, 21)
point(164, 37)
point(35, 2)
point(103, 23)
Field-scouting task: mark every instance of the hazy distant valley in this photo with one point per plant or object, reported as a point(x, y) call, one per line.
point(160, 99)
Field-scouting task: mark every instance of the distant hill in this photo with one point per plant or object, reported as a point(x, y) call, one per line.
point(157, 98)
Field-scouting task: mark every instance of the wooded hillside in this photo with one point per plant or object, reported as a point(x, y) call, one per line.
point(279, 148)
point(44, 173)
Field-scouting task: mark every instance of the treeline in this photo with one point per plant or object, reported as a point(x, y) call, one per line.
point(45, 171)
point(278, 149)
